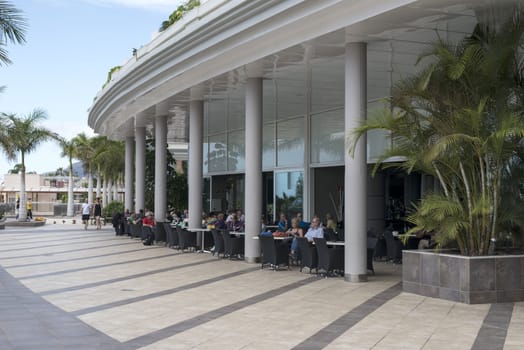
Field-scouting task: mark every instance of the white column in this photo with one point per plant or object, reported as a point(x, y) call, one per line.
point(140, 168)
point(196, 119)
point(253, 190)
point(160, 168)
point(355, 191)
point(90, 187)
point(129, 172)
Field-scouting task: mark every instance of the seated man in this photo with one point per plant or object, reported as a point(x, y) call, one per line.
point(315, 231)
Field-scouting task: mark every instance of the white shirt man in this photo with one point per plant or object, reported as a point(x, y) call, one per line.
point(315, 231)
point(86, 208)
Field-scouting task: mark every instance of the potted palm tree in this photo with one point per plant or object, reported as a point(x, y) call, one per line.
point(460, 119)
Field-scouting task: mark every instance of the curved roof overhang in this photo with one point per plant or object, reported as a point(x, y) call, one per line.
point(223, 42)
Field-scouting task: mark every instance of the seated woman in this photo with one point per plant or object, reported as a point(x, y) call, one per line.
point(283, 224)
point(234, 224)
point(330, 223)
point(296, 231)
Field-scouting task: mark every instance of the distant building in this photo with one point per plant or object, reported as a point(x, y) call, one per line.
point(48, 193)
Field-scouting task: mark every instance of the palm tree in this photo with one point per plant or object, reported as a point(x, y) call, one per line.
point(109, 162)
point(13, 27)
point(85, 153)
point(461, 120)
point(20, 136)
point(69, 150)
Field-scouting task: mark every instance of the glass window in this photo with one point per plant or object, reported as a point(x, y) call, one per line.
point(268, 146)
point(290, 142)
point(269, 100)
point(289, 192)
point(236, 111)
point(291, 98)
point(327, 85)
point(217, 157)
point(236, 151)
point(327, 137)
point(216, 116)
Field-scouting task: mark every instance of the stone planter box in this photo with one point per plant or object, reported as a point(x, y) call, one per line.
point(471, 280)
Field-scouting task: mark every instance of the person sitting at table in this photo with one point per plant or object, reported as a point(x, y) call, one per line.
point(314, 231)
point(295, 231)
point(149, 221)
point(220, 223)
point(283, 224)
point(330, 223)
point(234, 224)
point(303, 224)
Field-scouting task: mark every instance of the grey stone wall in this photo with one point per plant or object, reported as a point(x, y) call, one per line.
point(471, 280)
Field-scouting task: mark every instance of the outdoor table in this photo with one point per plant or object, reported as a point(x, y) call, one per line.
point(201, 232)
point(237, 233)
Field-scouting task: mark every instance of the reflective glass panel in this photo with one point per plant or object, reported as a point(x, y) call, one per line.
point(217, 157)
point(327, 85)
point(290, 142)
point(236, 159)
point(268, 146)
point(289, 192)
point(327, 137)
point(216, 116)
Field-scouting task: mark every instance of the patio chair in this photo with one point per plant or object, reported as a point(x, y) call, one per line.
point(219, 243)
point(233, 246)
point(171, 235)
point(136, 230)
point(330, 235)
point(160, 232)
point(148, 235)
point(186, 239)
point(309, 256)
point(274, 253)
point(330, 260)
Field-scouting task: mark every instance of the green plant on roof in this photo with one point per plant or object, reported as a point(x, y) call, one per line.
point(110, 74)
point(179, 13)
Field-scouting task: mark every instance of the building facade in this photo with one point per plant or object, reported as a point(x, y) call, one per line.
point(266, 93)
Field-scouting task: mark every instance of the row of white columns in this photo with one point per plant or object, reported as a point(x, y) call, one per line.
point(355, 213)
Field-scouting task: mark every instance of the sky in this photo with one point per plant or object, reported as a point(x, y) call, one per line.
point(71, 46)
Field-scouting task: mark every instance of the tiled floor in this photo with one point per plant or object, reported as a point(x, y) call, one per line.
point(65, 288)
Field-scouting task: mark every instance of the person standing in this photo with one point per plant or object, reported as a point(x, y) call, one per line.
point(86, 211)
point(29, 207)
point(17, 207)
point(97, 212)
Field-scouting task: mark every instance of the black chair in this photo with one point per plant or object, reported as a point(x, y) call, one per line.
point(309, 256)
point(219, 243)
point(160, 233)
point(330, 235)
point(136, 230)
point(330, 260)
point(233, 246)
point(148, 235)
point(393, 247)
point(145, 232)
point(274, 253)
point(186, 239)
point(340, 234)
point(171, 235)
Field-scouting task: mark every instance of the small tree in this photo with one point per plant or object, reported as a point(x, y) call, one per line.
point(461, 120)
point(20, 136)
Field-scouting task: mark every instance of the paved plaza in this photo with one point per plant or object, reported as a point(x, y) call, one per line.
point(65, 288)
